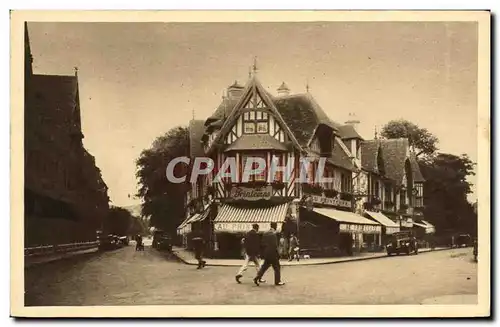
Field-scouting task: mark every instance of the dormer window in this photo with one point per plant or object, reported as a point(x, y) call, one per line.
point(255, 122)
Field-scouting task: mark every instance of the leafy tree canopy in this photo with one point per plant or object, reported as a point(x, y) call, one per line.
point(163, 201)
point(422, 142)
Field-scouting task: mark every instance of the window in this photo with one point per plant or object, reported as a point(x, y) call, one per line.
point(346, 183)
point(260, 177)
point(249, 128)
point(255, 122)
point(262, 127)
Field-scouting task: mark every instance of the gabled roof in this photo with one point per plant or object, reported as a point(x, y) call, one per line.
point(253, 86)
point(303, 115)
point(348, 132)
point(369, 153)
point(340, 158)
point(196, 130)
point(223, 110)
point(394, 152)
point(417, 174)
point(256, 142)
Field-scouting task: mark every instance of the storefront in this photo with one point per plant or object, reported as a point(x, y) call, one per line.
point(186, 226)
point(389, 227)
point(234, 220)
point(343, 230)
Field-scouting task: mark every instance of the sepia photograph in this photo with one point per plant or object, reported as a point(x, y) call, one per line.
point(250, 164)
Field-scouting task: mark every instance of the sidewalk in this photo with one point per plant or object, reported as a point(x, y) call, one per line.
point(35, 260)
point(188, 258)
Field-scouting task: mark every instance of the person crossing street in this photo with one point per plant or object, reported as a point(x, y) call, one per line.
point(271, 256)
point(251, 244)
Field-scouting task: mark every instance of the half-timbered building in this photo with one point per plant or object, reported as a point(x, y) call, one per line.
point(284, 129)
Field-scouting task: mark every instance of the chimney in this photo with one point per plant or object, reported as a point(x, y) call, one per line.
point(283, 90)
point(234, 91)
point(353, 121)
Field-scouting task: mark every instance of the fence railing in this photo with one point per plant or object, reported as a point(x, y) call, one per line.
point(59, 248)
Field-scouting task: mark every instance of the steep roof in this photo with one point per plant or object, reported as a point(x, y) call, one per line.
point(302, 114)
point(256, 142)
point(369, 152)
point(223, 110)
point(417, 174)
point(196, 130)
point(340, 158)
point(394, 153)
point(348, 132)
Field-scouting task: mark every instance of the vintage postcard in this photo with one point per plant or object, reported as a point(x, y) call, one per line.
point(250, 164)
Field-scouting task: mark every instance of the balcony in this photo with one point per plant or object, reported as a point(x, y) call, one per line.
point(389, 206)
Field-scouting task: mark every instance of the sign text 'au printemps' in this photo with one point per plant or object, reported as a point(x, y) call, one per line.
point(241, 227)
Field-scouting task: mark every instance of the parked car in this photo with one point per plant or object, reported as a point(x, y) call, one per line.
point(157, 234)
point(402, 242)
point(164, 243)
point(462, 240)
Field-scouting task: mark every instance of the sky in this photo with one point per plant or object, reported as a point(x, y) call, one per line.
point(138, 80)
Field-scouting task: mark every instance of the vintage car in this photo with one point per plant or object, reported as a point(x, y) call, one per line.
point(402, 242)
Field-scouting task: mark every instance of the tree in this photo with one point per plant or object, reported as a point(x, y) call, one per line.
point(137, 226)
point(163, 201)
point(118, 221)
point(445, 193)
point(422, 142)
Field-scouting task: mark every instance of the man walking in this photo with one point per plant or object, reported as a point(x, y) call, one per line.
point(198, 244)
point(271, 256)
point(252, 250)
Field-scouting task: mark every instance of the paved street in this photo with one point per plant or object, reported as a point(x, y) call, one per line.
point(126, 277)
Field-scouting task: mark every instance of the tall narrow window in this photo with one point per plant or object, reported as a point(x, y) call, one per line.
point(254, 177)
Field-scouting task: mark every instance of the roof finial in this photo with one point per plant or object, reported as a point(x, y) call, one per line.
point(76, 70)
point(254, 65)
point(193, 113)
point(307, 86)
point(249, 72)
point(376, 133)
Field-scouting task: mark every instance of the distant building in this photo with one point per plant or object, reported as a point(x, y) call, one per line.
point(65, 196)
point(376, 184)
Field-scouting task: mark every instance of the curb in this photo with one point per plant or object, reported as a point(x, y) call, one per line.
point(307, 264)
point(60, 257)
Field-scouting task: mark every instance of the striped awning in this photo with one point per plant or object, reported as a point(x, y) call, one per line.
point(350, 222)
point(188, 220)
point(239, 219)
point(344, 216)
point(378, 216)
point(232, 214)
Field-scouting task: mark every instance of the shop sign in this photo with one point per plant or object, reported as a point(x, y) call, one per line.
point(241, 227)
point(391, 230)
point(354, 228)
point(251, 194)
point(318, 199)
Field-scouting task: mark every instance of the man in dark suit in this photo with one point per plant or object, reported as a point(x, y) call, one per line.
point(271, 256)
point(252, 251)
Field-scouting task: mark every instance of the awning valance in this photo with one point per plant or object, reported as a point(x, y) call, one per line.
point(391, 227)
point(429, 228)
point(240, 219)
point(350, 222)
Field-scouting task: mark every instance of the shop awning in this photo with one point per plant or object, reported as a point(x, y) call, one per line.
point(429, 228)
point(350, 222)
point(240, 219)
point(188, 220)
point(194, 218)
point(390, 226)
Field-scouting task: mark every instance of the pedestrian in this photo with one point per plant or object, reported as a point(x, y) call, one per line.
point(293, 249)
point(251, 246)
point(198, 243)
point(271, 256)
point(282, 250)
